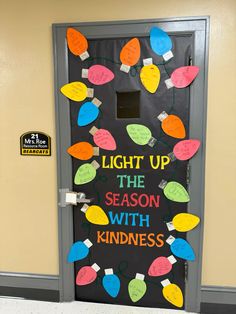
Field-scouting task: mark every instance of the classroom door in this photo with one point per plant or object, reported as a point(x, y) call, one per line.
point(126, 186)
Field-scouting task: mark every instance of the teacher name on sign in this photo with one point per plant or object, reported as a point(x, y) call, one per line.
point(134, 162)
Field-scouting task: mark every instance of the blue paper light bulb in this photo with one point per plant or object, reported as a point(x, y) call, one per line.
point(88, 112)
point(79, 250)
point(111, 283)
point(161, 43)
point(181, 248)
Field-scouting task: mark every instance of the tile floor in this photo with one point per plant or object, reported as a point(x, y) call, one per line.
point(17, 306)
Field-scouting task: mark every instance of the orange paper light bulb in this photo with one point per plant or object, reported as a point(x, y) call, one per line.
point(77, 43)
point(83, 151)
point(130, 54)
point(172, 125)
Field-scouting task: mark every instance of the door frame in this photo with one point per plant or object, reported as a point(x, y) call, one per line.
point(199, 27)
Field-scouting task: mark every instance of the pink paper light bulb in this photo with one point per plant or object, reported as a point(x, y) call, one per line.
point(182, 77)
point(161, 266)
point(87, 275)
point(98, 74)
point(186, 149)
point(103, 138)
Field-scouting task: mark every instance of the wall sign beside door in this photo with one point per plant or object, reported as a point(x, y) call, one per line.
point(35, 143)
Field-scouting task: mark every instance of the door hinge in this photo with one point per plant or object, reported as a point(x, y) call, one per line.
point(188, 173)
point(186, 270)
point(68, 197)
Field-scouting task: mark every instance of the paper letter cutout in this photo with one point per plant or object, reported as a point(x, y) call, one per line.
point(150, 77)
point(76, 41)
point(160, 41)
point(186, 149)
point(184, 222)
point(175, 191)
point(130, 53)
point(183, 76)
point(76, 91)
point(139, 133)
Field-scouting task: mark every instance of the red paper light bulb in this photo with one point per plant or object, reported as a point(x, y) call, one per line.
point(103, 138)
point(182, 77)
point(87, 274)
point(161, 266)
point(98, 74)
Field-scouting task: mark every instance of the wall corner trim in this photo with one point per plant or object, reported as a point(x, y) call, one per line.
point(33, 281)
point(218, 294)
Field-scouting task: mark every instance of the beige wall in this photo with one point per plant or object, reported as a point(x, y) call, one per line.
point(28, 219)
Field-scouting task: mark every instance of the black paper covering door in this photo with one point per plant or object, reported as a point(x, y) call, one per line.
point(127, 260)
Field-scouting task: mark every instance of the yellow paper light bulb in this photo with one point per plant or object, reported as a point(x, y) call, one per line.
point(76, 91)
point(95, 214)
point(183, 222)
point(150, 76)
point(172, 293)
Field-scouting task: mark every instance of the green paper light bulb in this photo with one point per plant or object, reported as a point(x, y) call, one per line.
point(86, 173)
point(140, 134)
point(137, 288)
point(174, 191)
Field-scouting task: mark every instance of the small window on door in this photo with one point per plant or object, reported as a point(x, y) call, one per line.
point(128, 104)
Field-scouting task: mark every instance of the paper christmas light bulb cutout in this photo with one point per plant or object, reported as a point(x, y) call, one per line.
point(77, 43)
point(103, 138)
point(137, 287)
point(140, 134)
point(111, 283)
point(172, 293)
point(83, 151)
point(87, 275)
point(88, 112)
point(182, 77)
point(172, 125)
point(95, 214)
point(186, 149)
point(183, 222)
point(98, 74)
point(130, 54)
point(77, 91)
point(86, 173)
point(181, 248)
point(150, 76)
point(79, 250)
point(161, 266)
point(161, 43)
point(174, 191)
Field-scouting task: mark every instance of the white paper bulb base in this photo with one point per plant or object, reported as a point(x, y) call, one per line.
point(147, 61)
point(171, 259)
point(88, 243)
point(125, 68)
point(83, 56)
point(168, 55)
point(165, 282)
point(139, 276)
point(84, 208)
point(109, 271)
point(95, 267)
